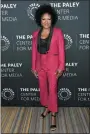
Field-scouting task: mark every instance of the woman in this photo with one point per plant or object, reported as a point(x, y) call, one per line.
point(48, 59)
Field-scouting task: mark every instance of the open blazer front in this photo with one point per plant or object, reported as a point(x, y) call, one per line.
point(55, 54)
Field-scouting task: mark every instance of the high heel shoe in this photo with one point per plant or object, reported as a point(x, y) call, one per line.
point(42, 115)
point(53, 127)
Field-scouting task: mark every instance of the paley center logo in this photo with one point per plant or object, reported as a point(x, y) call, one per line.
point(83, 94)
point(31, 9)
point(7, 94)
point(11, 70)
point(23, 42)
point(5, 43)
point(65, 10)
point(6, 15)
point(68, 41)
point(64, 94)
point(83, 41)
point(29, 94)
point(71, 69)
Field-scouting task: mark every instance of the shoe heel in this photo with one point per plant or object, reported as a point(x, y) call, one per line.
point(53, 127)
point(43, 116)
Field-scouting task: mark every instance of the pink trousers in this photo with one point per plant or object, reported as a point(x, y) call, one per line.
point(48, 86)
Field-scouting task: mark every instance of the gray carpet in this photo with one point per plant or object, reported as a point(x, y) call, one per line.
point(27, 120)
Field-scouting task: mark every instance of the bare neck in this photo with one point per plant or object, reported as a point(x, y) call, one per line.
point(46, 30)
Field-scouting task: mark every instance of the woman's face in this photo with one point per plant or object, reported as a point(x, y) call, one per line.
point(46, 20)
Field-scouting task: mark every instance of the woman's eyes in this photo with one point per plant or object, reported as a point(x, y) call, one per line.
point(44, 19)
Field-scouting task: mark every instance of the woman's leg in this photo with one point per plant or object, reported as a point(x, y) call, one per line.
point(52, 98)
point(42, 77)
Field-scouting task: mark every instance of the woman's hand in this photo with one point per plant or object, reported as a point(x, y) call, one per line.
point(35, 73)
point(58, 73)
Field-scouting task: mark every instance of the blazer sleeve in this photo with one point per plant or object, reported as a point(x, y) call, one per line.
point(33, 54)
point(61, 46)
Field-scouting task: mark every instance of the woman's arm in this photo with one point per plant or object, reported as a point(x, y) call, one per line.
point(33, 54)
point(61, 47)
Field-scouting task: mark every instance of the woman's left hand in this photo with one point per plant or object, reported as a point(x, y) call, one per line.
point(58, 73)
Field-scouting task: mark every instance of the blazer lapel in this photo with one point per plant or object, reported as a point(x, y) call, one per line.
point(50, 38)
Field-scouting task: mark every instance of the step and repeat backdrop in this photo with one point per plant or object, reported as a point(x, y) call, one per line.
point(19, 86)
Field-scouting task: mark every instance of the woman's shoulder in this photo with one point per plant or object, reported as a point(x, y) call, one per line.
point(57, 29)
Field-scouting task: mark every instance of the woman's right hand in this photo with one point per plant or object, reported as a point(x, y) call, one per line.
point(35, 73)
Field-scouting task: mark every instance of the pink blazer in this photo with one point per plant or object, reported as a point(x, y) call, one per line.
point(55, 55)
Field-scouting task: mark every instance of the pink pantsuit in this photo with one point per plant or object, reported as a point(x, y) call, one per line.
point(46, 65)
